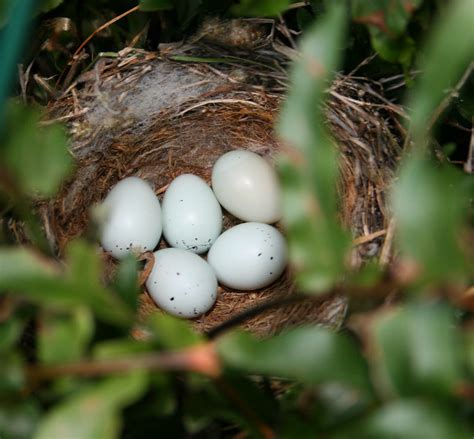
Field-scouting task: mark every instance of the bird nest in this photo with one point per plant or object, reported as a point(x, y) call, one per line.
point(157, 116)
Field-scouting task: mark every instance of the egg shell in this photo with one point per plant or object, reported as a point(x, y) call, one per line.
point(249, 256)
point(192, 216)
point(182, 283)
point(247, 186)
point(132, 218)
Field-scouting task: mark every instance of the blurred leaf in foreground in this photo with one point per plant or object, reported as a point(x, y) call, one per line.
point(447, 54)
point(43, 281)
point(19, 420)
point(416, 350)
point(170, 332)
point(155, 5)
point(309, 354)
point(411, 419)
point(428, 206)
point(260, 8)
point(64, 337)
point(309, 169)
point(387, 23)
point(36, 156)
point(125, 282)
point(93, 413)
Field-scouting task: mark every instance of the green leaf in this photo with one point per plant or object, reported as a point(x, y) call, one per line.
point(309, 173)
point(390, 16)
point(447, 54)
point(42, 280)
point(260, 8)
point(417, 350)
point(10, 332)
point(312, 355)
point(187, 10)
point(412, 419)
point(12, 378)
point(119, 348)
point(428, 206)
point(170, 332)
point(93, 413)
point(48, 5)
point(64, 337)
point(37, 156)
point(125, 282)
point(19, 420)
point(155, 5)
point(469, 351)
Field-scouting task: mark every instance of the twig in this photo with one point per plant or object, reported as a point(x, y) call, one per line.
point(217, 101)
point(387, 246)
point(104, 26)
point(228, 390)
point(75, 56)
point(367, 238)
point(255, 311)
point(201, 358)
point(469, 165)
point(447, 99)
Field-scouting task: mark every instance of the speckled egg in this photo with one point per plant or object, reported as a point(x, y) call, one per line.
point(249, 256)
point(132, 218)
point(182, 283)
point(192, 216)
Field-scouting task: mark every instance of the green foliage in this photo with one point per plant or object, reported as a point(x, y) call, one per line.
point(260, 8)
point(309, 172)
point(412, 418)
point(403, 370)
point(387, 22)
point(36, 156)
point(64, 337)
point(419, 351)
point(41, 280)
point(94, 412)
point(433, 197)
point(446, 56)
point(312, 355)
point(155, 5)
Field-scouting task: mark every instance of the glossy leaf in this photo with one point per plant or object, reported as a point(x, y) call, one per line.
point(155, 5)
point(447, 54)
point(125, 282)
point(19, 420)
point(170, 332)
point(12, 378)
point(264, 8)
point(10, 332)
point(64, 337)
point(389, 16)
point(416, 350)
point(43, 281)
point(37, 156)
point(309, 172)
point(93, 413)
point(414, 419)
point(119, 348)
point(309, 354)
point(428, 207)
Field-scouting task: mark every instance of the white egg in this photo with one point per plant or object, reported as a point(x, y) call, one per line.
point(249, 256)
point(192, 216)
point(247, 186)
point(182, 283)
point(132, 218)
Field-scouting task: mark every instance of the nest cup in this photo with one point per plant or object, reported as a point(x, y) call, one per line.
point(155, 117)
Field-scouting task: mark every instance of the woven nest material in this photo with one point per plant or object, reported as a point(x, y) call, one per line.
point(154, 117)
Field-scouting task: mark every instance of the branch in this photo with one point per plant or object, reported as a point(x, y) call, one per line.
point(202, 359)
